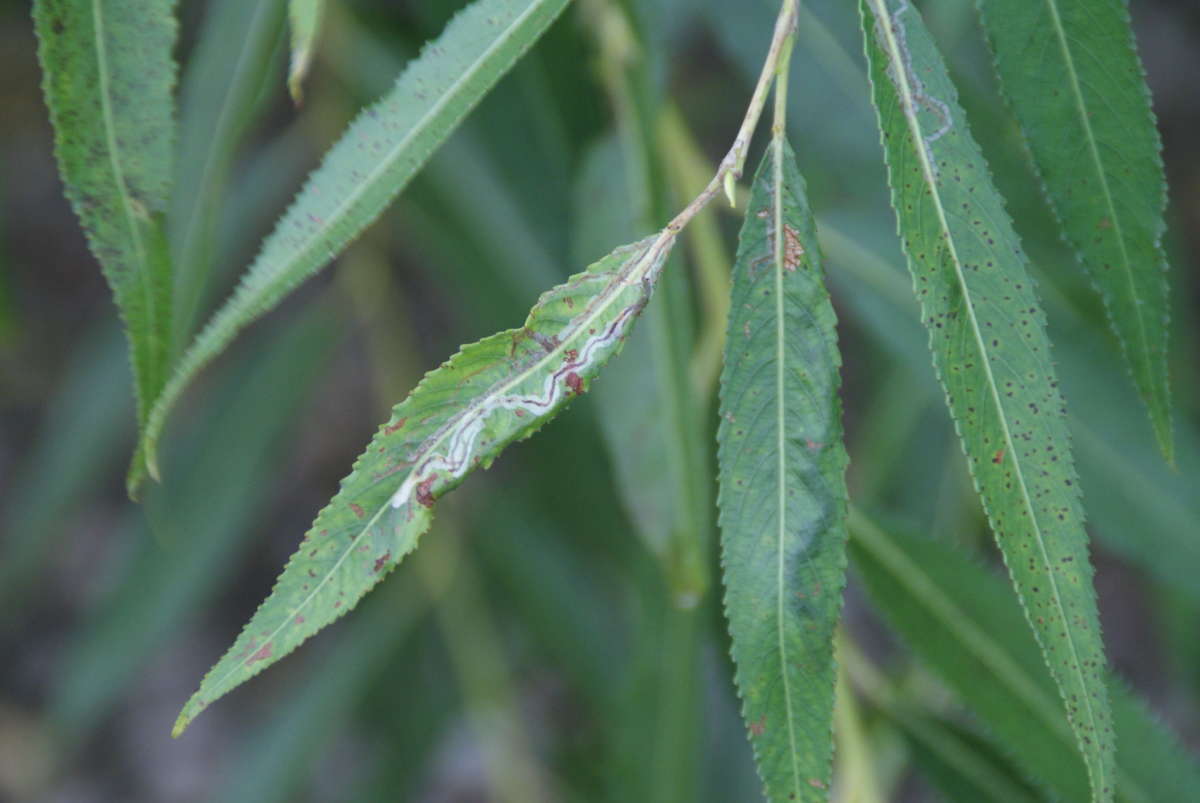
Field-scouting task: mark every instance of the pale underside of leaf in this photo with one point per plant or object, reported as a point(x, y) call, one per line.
point(987, 335)
point(459, 417)
point(782, 485)
point(376, 157)
point(108, 78)
point(1072, 76)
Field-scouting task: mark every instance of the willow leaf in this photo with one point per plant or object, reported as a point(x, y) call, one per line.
point(305, 19)
point(363, 172)
point(459, 417)
point(1071, 73)
point(987, 335)
point(108, 80)
point(782, 485)
point(962, 622)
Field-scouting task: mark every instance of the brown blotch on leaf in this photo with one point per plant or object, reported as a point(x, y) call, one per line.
point(263, 654)
point(793, 251)
point(357, 508)
point(382, 560)
point(998, 458)
point(424, 495)
point(575, 383)
point(390, 428)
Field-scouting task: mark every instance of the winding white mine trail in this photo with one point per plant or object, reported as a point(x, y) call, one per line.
point(462, 439)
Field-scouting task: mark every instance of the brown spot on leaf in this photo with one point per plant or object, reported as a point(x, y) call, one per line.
point(793, 251)
point(816, 783)
point(760, 727)
point(424, 495)
point(299, 619)
point(575, 383)
point(998, 457)
point(390, 428)
point(571, 355)
point(382, 560)
point(357, 508)
point(263, 654)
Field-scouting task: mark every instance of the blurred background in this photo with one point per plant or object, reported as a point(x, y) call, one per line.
point(532, 648)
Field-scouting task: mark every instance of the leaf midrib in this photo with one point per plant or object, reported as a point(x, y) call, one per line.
point(650, 256)
point(777, 248)
point(909, 108)
point(1081, 107)
point(118, 168)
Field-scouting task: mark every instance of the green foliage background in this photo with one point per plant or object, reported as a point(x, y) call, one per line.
point(530, 648)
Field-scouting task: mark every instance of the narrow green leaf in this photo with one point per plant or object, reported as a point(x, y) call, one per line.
point(1072, 76)
point(305, 18)
point(963, 623)
point(363, 172)
point(109, 74)
point(459, 417)
point(782, 484)
point(987, 335)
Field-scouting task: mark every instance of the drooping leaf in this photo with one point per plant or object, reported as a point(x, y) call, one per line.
point(459, 417)
point(222, 90)
point(782, 485)
point(965, 625)
point(987, 335)
point(305, 18)
point(1072, 76)
point(108, 77)
point(363, 172)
